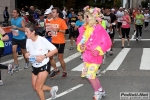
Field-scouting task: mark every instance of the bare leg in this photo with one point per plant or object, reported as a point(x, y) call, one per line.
point(62, 62)
point(14, 48)
point(38, 84)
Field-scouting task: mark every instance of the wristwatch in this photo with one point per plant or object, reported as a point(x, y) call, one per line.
point(45, 55)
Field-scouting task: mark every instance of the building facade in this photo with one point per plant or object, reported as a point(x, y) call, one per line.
point(131, 3)
point(10, 4)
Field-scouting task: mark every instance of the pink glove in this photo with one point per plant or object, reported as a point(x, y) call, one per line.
point(95, 52)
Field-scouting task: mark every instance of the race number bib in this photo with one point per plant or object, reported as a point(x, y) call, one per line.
point(32, 59)
point(54, 33)
point(124, 23)
point(48, 27)
point(41, 24)
point(15, 32)
point(138, 21)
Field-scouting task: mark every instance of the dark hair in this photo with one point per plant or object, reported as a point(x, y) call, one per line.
point(18, 11)
point(31, 27)
point(58, 11)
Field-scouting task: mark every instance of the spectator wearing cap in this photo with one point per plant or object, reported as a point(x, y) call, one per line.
point(48, 19)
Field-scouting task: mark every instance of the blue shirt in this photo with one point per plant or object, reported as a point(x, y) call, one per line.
point(79, 23)
point(18, 22)
point(70, 15)
point(36, 16)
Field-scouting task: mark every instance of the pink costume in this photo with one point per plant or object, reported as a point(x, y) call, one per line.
point(98, 40)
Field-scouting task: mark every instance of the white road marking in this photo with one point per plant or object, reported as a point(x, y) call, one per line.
point(10, 61)
point(133, 35)
point(145, 59)
point(78, 68)
point(67, 91)
point(68, 59)
point(118, 60)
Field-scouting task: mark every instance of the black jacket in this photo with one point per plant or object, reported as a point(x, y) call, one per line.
point(6, 14)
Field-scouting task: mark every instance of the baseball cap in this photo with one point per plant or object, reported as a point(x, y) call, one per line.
point(48, 11)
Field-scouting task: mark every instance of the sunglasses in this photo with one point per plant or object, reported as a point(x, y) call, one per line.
point(79, 15)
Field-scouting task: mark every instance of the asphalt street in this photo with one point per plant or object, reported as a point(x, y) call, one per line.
point(127, 70)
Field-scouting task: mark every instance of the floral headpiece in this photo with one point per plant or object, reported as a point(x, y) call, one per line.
point(96, 12)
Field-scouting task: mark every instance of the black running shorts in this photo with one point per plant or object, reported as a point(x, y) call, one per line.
point(45, 67)
point(20, 43)
point(60, 47)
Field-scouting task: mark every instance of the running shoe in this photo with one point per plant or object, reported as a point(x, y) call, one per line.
point(1, 82)
point(64, 74)
point(10, 69)
point(26, 65)
point(102, 93)
point(16, 67)
point(110, 53)
point(53, 92)
point(137, 39)
point(97, 97)
point(54, 73)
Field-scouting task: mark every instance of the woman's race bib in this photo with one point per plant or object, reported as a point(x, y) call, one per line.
point(15, 32)
point(124, 23)
point(138, 21)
